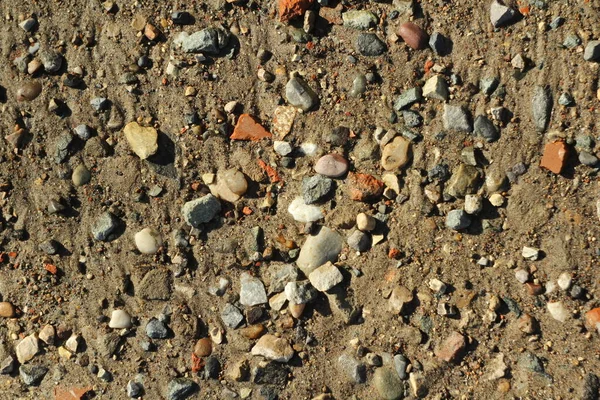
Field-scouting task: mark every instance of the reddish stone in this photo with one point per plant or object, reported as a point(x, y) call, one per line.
point(555, 157)
point(290, 9)
point(592, 318)
point(70, 394)
point(534, 289)
point(364, 187)
point(247, 128)
point(332, 15)
point(451, 349)
point(413, 35)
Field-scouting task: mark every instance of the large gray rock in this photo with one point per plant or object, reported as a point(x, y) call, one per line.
point(500, 14)
point(209, 41)
point(592, 51)
point(457, 118)
point(201, 211)
point(318, 249)
point(541, 107)
point(368, 44)
point(299, 94)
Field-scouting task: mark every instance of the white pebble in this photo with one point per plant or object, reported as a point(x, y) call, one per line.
point(558, 311)
point(522, 275)
point(437, 286)
point(497, 200)
point(282, 148)
point(531, 253)
point(148, 241)
point(309, 149)
point(473, 204)
point(365, 222)
point(564, 280)
point(120, 319)
point(303, 212)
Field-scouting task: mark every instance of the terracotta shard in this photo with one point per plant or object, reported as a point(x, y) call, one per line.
point(290, 9)
point(247, 128)
point(555, 157)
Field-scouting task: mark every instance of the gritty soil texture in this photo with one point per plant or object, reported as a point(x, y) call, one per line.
point(78, 288)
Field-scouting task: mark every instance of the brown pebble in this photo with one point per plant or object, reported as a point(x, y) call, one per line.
point(296, 309)
point(527, 324)
point(413, 35)
point(203, 347)
point(452, 348)
point(151, 32)
point(555, 157)
point(7, 310)
point(253, 331)
point(29, 91)
point(534, 289)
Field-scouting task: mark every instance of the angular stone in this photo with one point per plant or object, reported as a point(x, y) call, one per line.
point(352, 368)
point(32, 375)
point(555, 156)
point(464, 180)
point(303, 212)
point(451, 349)
point(500, 14)
point(231, 316)
point(364, 187)
point(156, 329)
point(273, 348)
point(359, 19)
point(408, 98)
point(592, 51)
point(399, 298)
point(387, 383)
point(485, 128)
point(181, 388)
point(252, 291)
point(396, 154)
point(283, 120)
point(368, 44)
point(299, 94)
point(300, 292)
point(325, 277)
point(440, 44)
point(208, 41)
point(436, 88)
point(280, 275)
point(541, 107)
point(120, 319)
point(142, 140)
point(316, 188)
point(318, 249)
point(201, 211)
point(247, 128)
point(27, 348)
point(457, 220)
point(290, 9)
point(359, 241)
point(457, 118)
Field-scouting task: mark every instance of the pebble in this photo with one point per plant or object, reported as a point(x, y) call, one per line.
point(7, 366)
point(387, 383)
point(300, 292)
point(489, 84)
point(248, 128)
point(81, 175)
point(522, 275)
point(148, 241)
point(558, 311)
point(359, 86)
point(47, 334)
point(541, 106)
point(400, 364)
point(273, 348)
point(592, 51)
point(362, 20)
point(181, 388)
point(565, 99)
point(332, 165)
point(142, 140)
point(500, 14)
point(352, 368)
point(587, 159)
point(52, 61)
point(571, 41)
point(120, 319)
point(315, 189)
point(451, 348)
point(83, 131)
point(555, 156)
point(134, 389)
point(364, 187)
point(303, 212)
point(201, 210)
point(325, 277)
point(368, 44)
point(359, 241)
point(231, 316)
point(32, 375)
point(104, 225)
point(485, 128)
point(412, 119)
point(527, 324)
point(299, 94)
point(156, 329)
point(408, 98)
point(497, 200)
point(7, 310)
point(100, 104)
point(473, 204)
point(457, 220)
point(181, 17)
point(464, 180)
point(436, 88)
point(29, 91)
point(252, 291)
point(396, 154)
point(440, 44)
point(457, 118)
point(318, 249)
point(282, 148)
point(73, 343)
point(27, 348)
point(203, 347)
point(28, 24)
point(530, 253)
point(208, 41)
point(399, 299)
point(231, 185)
point(592, 319)
point(365, 223)
point(413, 35)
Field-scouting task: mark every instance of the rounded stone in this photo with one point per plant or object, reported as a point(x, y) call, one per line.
point(203, 347)
point(395, 154)
point(120, 319)
point(7, 310)
point(413, 35)
point(365, 222)
point(148, 241)
point(81, 175)
point(387, 383)
point(29, 91)
point(332, 165)
point(458, 219)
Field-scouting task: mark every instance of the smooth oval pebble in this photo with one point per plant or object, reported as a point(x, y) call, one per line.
point(235, 181)
point(81, 175)
point(120, 319)
point(253, 331)
point(332, 165)
point(148, 241)
point(413, 35)
point(7, 310)
point(203, 347)
point(29, 91)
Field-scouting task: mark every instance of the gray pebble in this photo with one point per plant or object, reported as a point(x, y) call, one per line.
point(458, 219)
point(352, 368)
point(457, 118)
point(99, 103)
point(28, 24)
point(208, 41)
point(299, 94)
point(156, 329)
point(592, 51)
point(485, 128)
point(412, 119)
point(49, 247)
point(571, 41)
point(566, 99)
point(359, 86)
point(488, 84)
point(541, 106)
point(104, 226)
point(368, 44)
point(400, 363)
point(52, 61)
point(500, 14)
point(408, 98)
point(201, 211)
point(231, 316)
point(83, 131)
point(134, 389)
point(440, 44)
point(181, 388)
point(557, 22)
point(32, 374)
point(588, 159)
point(300, 292)
point(316, 188)
point(359, 241)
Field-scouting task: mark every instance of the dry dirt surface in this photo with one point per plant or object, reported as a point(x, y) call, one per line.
point(299, 199)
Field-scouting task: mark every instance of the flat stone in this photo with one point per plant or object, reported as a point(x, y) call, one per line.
point(500, 14)
point(248, 128)
point(359, 19)
point(300, 292)
point(555, 156)
point(352, 368)
point(464, 180)
point(32, 375)
point(273, 348)
point(104, 225)
point(252, 291)
point(541, 107)
point(451, 349)
point(325, 277)
point(332, 165)
point(27, 348)
point(395, 154)
point(485, 128)
point(316, 188)
point(155, 285)
point(303, 212)
point(399, 298)
point(100, 104)
point(408, 98)
point(142, 140)
point(201, 211)
point(387, 383)
point(457, 118)
point(120, 319)
point(592, 51)
point(299, 94)
point(231, 316)
point(318, 249)
point(207, 41)
point(436, 88)
point(283, 120)
point(457, 220)
point(368, 44)
point(156, 329)
point(181, 388)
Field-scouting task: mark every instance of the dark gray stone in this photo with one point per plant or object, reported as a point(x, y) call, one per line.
point(400, 363)
point(209, 41)
point(155, 329)
point(316, 188)
point(408, 98)
point(485, 128)
point(488, 84)
point(368, 44)
point(32, 375)
point(62, 147)
point(104, 225)
point(440, 44)
point(541, 107)
point(592, 51)
point(49, 247)
point(572, 41)
point(181, 388)
point(134, 389)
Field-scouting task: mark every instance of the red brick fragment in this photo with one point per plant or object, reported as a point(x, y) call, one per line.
point(364, 187)
point(247, 128)
point(290, 9)
point(555, 156)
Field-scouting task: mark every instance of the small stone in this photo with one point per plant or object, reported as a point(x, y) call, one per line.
point(231, 316)
point(201, 211)
point(83, 131)
point(400, 364)
point(436, 88)
point(81, 175)
point(489, 84)
point(522, 275)
point(359, 86)
point(47, 334)
point(181, 17)
point(352, 368)
point(408, 98)
point(52, 61)
point(364, 187)
point(325, 277)
point(142, 140)
point(148, 241)
point(400, 297)
point(316, 188)
point(592, 319)
point(207, 41)
point(299, 292)
point(557, 22)
point(29, 91)
point(497, 200)
point(558, 311)
point(282, 148)
point(318, 249)
point(413, 35)
point(590, 389)
point(592, 51)
point(396, 154)
point(32, 375)
point(451, 349)
point(181, 388)
point(412, 119)
point(104, 226)
point(332, 165)
point(203, 347)
point(7, 310)
point(387, 383)
point(291, 9)
point(359, 241)
point(362, 20)
point(100, 103)
point(465, 180)
point(365, 222)
point(555, 157)
point(299, 94)
point(303, 212)
point(541, 105)
point(530, 253)
point(457, 220)
point(456, 118)
point(27, 348)
point(283, 120)
point(485, 128)
point(440, 44)
point(252, 291)
point(588, 159)
point(248, 128)
point(368, 44)
point(28, 24)
point(473, 204)
point(273, 348)
point(519, 62)
point(151, 32)
point(156, 329)
point(134, 389)
point(500, 14)
point(72, 344)
point(7, 366)
point(527, 324)
point(120, 319)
